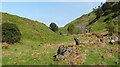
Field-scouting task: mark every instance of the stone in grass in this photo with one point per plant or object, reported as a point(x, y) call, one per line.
point(61, 49)
point(77, 41)
point(101, 39)
point(64, 52)
point(58, 57)
point(113, 39)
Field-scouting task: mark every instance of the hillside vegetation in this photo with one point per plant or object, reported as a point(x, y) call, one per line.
point(38, 44)
point(107, 11)
point(83, 20)
point(32, 31)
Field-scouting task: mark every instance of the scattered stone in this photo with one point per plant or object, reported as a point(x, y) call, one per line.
point(113, 50)
point(117, 18)
point(61, 33)
point(77, 41)
point(113, 39)
point(61, 49)
point(65, 52)
point(101, 38)
point(58, 57)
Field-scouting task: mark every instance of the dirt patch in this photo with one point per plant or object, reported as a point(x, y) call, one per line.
point(7, 53)
point(77, 60)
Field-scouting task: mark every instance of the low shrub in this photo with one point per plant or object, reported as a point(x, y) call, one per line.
point(10, 33)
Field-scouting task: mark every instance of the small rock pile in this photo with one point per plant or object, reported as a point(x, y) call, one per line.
point(65, 51)
point(113, 39)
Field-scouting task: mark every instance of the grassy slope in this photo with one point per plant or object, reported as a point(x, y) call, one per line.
point(29, 51)
point(98, 26)
point(38, 43)
point(32, 30)
point(83, 20)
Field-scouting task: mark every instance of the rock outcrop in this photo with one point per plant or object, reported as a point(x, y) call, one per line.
point(65, 51)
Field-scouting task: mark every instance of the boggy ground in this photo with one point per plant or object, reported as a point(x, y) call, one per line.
point(91, 52)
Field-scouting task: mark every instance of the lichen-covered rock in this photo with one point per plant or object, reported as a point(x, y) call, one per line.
point(64, 52)
point(58, 57)
point(61, 49)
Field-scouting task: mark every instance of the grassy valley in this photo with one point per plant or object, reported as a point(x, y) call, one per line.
point(36, 37)
point(39, 44)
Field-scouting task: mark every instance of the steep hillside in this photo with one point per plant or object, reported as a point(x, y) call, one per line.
point(110, 12)
point(91, 22)
point(83, 20)
point(39, 45)
point(32, 31)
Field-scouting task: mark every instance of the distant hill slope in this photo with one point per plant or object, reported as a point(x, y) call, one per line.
point(83, 20)
point(100, 24)
point(32, 30)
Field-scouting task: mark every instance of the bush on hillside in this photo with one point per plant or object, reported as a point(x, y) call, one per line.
point(99, 13)
point(106, 7)
point(116, 7)
point(10, 33)
point(112, 16)
point(112, 26)
point(53, 27)
point(107, 19)
point(116, 14)
point(70, 28)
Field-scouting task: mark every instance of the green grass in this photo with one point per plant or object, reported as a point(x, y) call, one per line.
point(97, 26)
point(33, 30)
point(83, 20)
point(39, 44)
point(36, 38)
point(32, 53)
